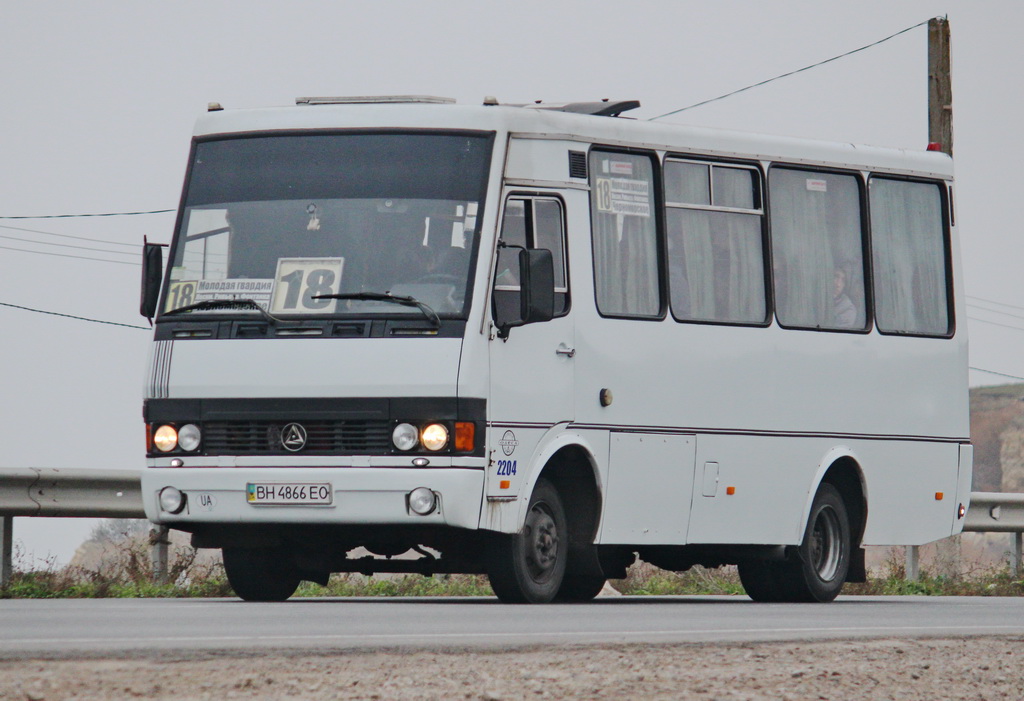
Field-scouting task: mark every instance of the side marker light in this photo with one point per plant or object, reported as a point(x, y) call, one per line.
point(504, 484)
point(730, 490)
point(938, 496)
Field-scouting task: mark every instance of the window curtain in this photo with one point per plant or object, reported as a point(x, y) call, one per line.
point(691, 264)
point(742, 233)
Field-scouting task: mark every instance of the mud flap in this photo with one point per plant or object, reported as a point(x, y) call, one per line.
point(858, 571)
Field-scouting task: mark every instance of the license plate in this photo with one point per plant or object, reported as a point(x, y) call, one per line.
point(293, 493)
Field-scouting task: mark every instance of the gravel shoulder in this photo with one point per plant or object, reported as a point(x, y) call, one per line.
point(965, 668)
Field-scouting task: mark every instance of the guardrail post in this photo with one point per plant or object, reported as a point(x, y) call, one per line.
point(1016, 554)
point(913, 563)
point(6, 549)
point(159, 540)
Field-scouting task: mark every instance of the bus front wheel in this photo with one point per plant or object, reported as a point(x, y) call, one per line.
point(260, 574)
point(818, 571)
point(528, 567)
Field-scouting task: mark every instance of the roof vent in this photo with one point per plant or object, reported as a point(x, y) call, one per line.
point(376, 100)
point(604, 108)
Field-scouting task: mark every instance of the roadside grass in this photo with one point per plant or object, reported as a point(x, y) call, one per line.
point(126, 572)
point(50, 582)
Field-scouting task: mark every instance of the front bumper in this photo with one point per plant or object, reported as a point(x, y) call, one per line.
point(361, 495)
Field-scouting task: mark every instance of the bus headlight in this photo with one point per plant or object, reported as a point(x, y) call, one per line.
point(188, 437)
point(165, 439)
point(172, 500)
point(405, 436)
point(422, 501)
point(434, 437)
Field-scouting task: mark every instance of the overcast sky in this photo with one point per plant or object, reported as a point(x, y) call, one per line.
point(99, 100)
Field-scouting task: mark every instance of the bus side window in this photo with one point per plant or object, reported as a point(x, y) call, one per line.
point(715, 243)
point(624, 235)
point(530, 222)
point(910, 253)
point(817, 249)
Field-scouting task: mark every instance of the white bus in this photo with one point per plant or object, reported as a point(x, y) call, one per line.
point(539, 342)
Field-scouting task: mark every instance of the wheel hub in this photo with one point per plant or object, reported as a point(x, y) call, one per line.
point(542, 542)
point(826, 544)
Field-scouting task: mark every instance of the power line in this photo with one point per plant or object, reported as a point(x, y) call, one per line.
point(786, 75)
point(68, 255)
point(72, 316)
point(68, 245)
point(995, 311)
point(995, 323)
point(992, 301)
point(101, 214)
point(993, 372)
point(69, 236)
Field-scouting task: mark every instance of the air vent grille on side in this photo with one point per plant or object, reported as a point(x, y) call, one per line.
point(577, 164)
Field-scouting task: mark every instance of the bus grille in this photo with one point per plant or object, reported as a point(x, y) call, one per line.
point(324, 437)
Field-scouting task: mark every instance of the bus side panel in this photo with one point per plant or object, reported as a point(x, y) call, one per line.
point(912, 491)
point(650, 482)
point(760, 492)
point(772, 481)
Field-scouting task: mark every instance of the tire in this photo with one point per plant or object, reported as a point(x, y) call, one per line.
point(822, 560)
point(260, 574)
point(580, 588)
point(528, 567)
point(762, 580)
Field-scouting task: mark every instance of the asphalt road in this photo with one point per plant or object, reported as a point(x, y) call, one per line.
point(74, 627)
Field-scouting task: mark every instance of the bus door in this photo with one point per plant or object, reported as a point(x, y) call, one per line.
point(531, 371)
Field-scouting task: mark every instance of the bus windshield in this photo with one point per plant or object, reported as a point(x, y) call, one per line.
point(292, 222)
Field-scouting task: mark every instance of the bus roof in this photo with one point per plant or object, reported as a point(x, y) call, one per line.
point(581, 122)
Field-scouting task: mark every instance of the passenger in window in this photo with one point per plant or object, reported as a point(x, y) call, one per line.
point(844, 313)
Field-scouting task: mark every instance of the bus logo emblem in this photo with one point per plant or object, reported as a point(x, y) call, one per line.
point(293, 437)
point(508, 443)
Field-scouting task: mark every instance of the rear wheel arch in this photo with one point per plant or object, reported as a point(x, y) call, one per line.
point(846, 475)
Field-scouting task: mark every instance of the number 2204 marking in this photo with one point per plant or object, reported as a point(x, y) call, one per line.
point(506, 467)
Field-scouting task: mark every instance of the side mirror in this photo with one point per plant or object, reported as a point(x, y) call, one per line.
point(152, 276)
point(536, 292)
point(537, 276)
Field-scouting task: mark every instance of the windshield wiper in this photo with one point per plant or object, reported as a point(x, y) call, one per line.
point(405, 301)
point(225, 304)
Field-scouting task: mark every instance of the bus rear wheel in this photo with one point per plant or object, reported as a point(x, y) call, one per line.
point(528, 567)
point(818, 571)
point(260, 574)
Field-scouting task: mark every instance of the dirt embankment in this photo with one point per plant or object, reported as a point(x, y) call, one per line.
point(982, 668)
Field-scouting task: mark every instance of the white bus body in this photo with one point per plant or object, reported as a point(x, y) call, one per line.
point(741, 349)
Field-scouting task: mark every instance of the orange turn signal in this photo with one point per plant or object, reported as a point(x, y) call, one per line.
point(938, 496)
point(505, 484)
point(730, 490)
point(465, 436)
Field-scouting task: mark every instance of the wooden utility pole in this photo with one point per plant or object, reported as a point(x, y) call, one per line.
point(940, 88)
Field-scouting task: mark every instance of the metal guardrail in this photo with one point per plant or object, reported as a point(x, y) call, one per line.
point(995, 512)
point(39, 491)
point(44, 491)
